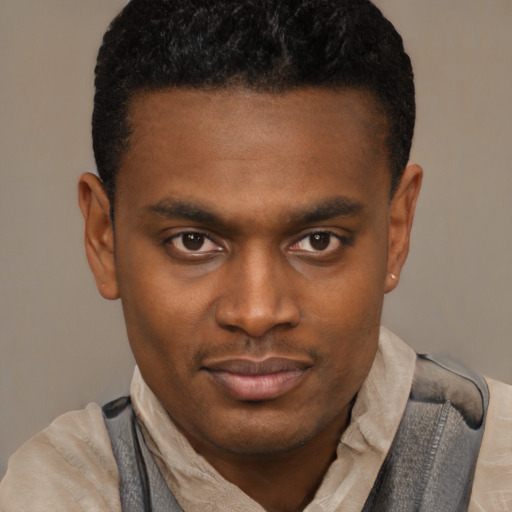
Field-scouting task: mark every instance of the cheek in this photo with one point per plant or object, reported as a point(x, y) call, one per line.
point(163, 336)
point(162, 318)
point(156, 295)
point(349, 300)
point(345, 317)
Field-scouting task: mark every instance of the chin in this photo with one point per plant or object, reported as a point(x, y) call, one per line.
point(259, 445)
point(268, 436)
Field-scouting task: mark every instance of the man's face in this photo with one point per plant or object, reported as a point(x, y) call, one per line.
point(251, 249)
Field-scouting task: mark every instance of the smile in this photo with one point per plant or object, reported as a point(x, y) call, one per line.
point(249, 380)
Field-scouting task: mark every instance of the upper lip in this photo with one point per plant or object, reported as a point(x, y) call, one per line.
point(250, 366)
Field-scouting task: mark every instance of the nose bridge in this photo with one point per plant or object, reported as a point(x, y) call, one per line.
point(257, 297)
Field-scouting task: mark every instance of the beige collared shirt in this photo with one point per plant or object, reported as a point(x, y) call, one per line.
point(70, 466)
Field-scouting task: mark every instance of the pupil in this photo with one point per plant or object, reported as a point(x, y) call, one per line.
point(320, 241)
point(193, 241)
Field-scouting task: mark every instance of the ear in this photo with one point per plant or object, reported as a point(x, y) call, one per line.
point(99, 234)
point(401, 218)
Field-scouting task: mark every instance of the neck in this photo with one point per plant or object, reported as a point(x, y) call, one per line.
point(283, 482)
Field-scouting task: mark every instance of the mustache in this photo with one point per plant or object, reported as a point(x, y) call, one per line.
point(248, 346)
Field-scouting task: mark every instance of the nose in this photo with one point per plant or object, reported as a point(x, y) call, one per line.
point(257, 296)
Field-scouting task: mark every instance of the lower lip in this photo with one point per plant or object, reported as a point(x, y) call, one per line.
point(258, 387)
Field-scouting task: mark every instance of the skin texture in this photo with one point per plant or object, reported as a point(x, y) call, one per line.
point(254, 234)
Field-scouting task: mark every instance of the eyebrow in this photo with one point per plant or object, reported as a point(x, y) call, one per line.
point(335, 207)
point(339, 206)
point(186, 210)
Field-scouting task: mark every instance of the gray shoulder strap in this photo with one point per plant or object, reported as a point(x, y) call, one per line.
point(142, 487)
point(432, 460)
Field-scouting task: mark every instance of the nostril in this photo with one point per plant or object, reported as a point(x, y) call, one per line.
point(231, 328)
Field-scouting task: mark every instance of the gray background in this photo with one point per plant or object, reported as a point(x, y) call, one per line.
point(62, 346)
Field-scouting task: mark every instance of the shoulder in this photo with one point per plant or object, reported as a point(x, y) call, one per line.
point(68, 466)
point(492, 489)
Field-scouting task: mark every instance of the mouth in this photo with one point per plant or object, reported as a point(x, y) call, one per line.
point(257, 380)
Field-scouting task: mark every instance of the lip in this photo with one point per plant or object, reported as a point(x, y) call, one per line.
point(256, 380)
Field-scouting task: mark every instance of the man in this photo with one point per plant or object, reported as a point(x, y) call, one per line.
point(254, 206)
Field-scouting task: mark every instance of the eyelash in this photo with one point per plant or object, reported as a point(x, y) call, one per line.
point(205, 236)
point(344, 241)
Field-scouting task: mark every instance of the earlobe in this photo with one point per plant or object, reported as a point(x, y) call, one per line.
point(403, 207)
point(99, 234)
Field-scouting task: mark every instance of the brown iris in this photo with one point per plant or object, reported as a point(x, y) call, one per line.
point(193, 241)
point(320, 241)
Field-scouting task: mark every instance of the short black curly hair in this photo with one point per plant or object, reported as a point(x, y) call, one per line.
point(266, 45)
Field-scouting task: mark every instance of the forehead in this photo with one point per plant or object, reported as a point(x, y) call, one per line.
point(199, 144)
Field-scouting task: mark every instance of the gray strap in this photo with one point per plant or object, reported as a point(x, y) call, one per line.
point(431, 464)
point(142, 487)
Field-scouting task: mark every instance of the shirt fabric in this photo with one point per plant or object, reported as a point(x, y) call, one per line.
point(70, 466)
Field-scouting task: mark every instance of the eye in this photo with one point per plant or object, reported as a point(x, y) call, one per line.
point(317, 242)
point(193, 243)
